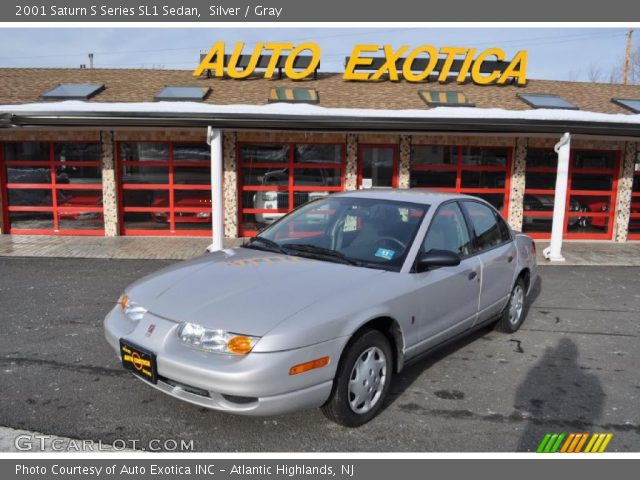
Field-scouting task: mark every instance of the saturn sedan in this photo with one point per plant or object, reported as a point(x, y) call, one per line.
point(324, 306)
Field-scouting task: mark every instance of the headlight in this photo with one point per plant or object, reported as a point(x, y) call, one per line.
point(131, 309)
point(269, 196)
point(217, 341)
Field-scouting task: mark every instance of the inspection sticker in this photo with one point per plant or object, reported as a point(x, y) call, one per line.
point(385, 253)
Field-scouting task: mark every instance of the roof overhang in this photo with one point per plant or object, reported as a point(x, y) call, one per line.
point(308, 117)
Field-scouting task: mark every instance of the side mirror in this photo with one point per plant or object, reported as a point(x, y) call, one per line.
point(437, 258)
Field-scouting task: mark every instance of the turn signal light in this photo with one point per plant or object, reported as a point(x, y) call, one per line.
point(312, 365)
point(239, 345)
point(124, 301)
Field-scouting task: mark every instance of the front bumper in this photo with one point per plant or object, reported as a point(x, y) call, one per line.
point(253, 384)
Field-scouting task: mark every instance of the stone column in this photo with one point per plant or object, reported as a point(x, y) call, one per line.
point(625, 187)
point(109, 187)
point(516, 193)
point(351, 168)
point(404, 173)
point(230, 184)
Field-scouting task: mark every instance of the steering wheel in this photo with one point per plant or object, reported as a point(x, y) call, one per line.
point(391, 240)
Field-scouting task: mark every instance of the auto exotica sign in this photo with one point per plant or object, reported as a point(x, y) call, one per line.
point(418, 64)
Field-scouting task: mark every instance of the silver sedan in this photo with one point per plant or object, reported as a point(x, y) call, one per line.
point(324, 306)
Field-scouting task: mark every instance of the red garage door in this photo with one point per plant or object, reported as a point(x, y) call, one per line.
point(275, 178)
point(164, 188)
point(634, 220)
point(52, 188)
point(479, 171)
point(591, 194)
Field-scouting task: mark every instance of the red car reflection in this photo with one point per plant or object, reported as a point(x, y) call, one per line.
point(80, 199)
point(602, 206)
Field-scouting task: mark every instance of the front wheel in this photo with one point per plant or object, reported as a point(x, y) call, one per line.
point(362, 380)
point(513, 314)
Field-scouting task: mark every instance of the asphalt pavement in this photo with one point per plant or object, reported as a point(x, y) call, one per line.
point(573, 367)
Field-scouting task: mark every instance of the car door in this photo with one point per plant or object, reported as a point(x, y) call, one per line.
point(497, 253)
point(447, 296)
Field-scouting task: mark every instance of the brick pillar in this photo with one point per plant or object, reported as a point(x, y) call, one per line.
point(109, 187)
point(625, 187)
point(230, 184)
point(404, 173)
point(516, 194)
point(351, 172)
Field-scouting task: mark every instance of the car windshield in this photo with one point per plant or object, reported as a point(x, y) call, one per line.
point(360, 231)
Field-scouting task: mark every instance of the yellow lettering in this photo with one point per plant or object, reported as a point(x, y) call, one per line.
point(516, 69)
point(288, 66)
point(356, 60)
point(277, 49)
point(407, 68)
point(390, 62)
point(451, 53)
point(466, 65)
point(477, 76)
point(207, 63)
point(232, 70)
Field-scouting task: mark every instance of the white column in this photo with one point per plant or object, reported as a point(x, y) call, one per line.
point(214, 139)
point(554, 251)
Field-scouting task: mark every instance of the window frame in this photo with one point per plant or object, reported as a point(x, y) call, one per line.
point(170, 187)
point(53, 187)
point(291, 165)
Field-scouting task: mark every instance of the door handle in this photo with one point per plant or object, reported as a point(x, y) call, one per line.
point(472, 275)
point(510, 259)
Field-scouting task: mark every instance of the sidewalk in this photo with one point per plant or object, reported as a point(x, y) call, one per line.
point(180, 248)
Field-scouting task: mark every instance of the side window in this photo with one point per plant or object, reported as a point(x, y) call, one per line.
point(485, 224)
point(448, 231)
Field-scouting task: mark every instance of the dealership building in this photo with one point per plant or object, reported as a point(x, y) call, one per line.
point(124, 152)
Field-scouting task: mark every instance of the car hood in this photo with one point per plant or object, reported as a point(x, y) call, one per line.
point(243, 290)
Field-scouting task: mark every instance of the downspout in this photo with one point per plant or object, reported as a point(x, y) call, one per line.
point(214, 139)
point(553, 252)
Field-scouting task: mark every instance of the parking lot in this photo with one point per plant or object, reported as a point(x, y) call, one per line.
point(573, 367)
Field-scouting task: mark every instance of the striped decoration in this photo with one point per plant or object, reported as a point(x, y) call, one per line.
point(574, 443)
point(293, 95)
point(445, 98)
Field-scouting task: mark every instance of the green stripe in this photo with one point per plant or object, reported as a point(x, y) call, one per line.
point(550, 443)
point(543, 443)
point(558, 443)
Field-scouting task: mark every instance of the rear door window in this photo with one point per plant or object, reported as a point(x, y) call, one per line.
point(485, 222)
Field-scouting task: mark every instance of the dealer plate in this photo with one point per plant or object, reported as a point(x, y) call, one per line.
point(138, 360)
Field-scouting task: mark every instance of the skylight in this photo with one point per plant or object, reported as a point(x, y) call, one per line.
point(184, 94)
point(438, 98)
point(293, 95)
point(632, 104)
point(73, 91)
point(536, 100)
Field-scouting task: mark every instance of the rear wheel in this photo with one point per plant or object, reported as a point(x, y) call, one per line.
point(513, 314)
point(362, 380)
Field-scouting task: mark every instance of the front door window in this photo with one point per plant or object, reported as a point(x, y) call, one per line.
point(377, 167)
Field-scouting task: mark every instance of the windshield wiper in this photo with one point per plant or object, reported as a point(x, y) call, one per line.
point(270, 244)
point(321, 251)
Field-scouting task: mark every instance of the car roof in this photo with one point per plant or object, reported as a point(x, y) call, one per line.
point(413, 195)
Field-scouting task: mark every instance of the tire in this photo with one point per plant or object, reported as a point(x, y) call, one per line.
point(353, 403)
point(513, 314)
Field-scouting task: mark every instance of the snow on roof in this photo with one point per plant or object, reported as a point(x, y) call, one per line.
point(305, 110)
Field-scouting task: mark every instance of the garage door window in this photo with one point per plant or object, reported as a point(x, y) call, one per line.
point(52, 187)
point(165, 188)
point(634, 219)
point(276, 178)
point(478, 171)
point(591, 194)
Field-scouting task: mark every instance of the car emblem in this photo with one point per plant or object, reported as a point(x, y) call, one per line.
point(150, 330)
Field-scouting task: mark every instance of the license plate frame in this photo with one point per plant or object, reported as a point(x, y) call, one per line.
point(139, 361)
